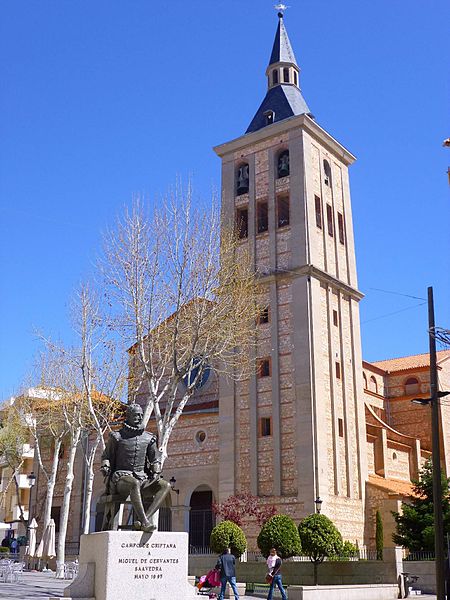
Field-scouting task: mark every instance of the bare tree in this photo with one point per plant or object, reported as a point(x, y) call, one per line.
point(13, 436)
point(184, 293)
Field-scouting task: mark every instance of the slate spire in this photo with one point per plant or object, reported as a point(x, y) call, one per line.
point(282, 49)
point(284, 98)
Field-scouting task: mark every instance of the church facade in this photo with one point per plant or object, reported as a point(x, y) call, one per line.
point(315, 422)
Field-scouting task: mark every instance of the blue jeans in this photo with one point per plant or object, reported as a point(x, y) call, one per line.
point(276, 580)
point(232, 582)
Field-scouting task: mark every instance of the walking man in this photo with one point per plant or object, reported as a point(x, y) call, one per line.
point(227, 566)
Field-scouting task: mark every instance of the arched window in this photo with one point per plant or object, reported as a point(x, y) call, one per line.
point(286, 75)
point(365, 381)
point(201, 517)
point(295, 78)
point(283, 164)
point(242, 179)
point(373, 385)
point(274, 77)
point(411, 386)
point(327, 171)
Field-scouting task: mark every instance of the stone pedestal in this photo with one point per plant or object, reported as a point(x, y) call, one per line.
point(124, 565)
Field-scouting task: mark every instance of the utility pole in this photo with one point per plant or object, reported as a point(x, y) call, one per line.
point(436, 457)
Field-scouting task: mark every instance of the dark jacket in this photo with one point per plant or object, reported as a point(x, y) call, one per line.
point(227, 565)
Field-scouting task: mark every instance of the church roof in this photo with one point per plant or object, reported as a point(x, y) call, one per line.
point(284, 101)
point(410, 362)
point(282, 49)
point(392, 486)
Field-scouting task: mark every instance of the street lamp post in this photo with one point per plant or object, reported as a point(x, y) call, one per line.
point(318, 502)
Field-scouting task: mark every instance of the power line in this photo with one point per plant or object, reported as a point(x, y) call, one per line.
point(396, 293)
point(393, 313)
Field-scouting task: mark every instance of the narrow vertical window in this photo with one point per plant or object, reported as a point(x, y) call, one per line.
point(264, 368)
point(286, 75)
point(283, 211)
point(262, 217)
point(338, 370)
point(327, 172)
point(295, 77)
point(274, 77)
point(269, 116)
point(264, 316)
point(335, 318)
point(265, 426)
point(242, 179)
point(341, 228)
point(283, 164)
point(242, 222)
point(318, 205)
point(341, 427)
point(330, 220)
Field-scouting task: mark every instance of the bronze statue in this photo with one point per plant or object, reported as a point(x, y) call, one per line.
point(131, 464)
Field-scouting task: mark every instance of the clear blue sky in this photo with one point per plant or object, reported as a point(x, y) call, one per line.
point(104, 99)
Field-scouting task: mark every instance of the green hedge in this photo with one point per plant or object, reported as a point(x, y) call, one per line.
point(279, 532)
point(228, 535)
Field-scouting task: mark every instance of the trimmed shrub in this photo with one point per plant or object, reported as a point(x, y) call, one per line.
point(379, 536)
point(319, 537)
point(349, 550)
point(228, 535)
point(4, 549)
point(279, 532)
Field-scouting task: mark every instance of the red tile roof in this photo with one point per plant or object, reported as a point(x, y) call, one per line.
point(409, 362)
point(392, 486)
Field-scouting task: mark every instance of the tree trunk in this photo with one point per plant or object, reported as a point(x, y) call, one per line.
point(51, 484)
point(89, 485)
point(61, 551)
point(315, 572)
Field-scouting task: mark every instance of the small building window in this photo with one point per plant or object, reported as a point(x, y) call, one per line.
point(286, 75)
point(265, 426)
point(318, 206)
point(341, 427)
point(264, 367)
point(411, 386)
point(341, 228)
point(338, 370)
point(394, 456)
point(327, 171)
point(335, 318)
point(283, 164)
point(282, 211)
point(262, 217)
point(242, 222)
point(242, 179)
point(269, 116)
point(365, 381)
point(264, 316)
point(330, 220)
point(275, 77)
point(295, 77)
point(373, 386)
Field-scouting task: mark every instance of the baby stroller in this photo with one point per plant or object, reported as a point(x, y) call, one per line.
point(208, 582)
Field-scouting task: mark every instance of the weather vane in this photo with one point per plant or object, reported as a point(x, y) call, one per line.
point(280, 8)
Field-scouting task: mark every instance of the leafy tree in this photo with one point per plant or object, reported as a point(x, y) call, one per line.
point(320, 538)
point(237, 508)
point(415, 522)
point(228, 535)
point(379, 537)
point(281, 533)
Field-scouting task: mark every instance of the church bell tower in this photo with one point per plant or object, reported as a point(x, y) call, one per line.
point(296, 431)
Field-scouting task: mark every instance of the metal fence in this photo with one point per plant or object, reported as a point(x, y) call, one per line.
point(419, 555)
point(201, 523)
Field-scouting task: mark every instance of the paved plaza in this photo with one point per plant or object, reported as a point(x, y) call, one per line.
point(43, 585)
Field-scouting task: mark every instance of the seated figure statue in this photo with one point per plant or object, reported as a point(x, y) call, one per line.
point(131, 464)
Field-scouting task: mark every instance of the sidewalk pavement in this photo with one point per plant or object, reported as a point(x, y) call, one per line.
point(43, 585)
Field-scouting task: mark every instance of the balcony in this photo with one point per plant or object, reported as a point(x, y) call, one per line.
point(27, 451)
point(23, 482)
point(16, 513)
